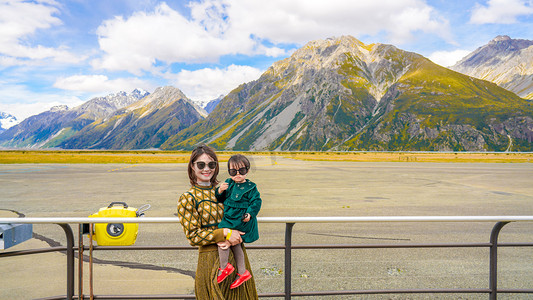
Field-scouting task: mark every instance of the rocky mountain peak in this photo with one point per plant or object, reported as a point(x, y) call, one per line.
point(500, 38)
point(162, 96)
point(344, 42)
point(504, 43)
point(505, 61)
point(59, 108)
point(498, 49)
point(320, 54)
point(168, 91)
point(103, 107)
point(139, 93)
point(379, 65)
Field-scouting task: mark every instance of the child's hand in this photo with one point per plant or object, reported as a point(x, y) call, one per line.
point(223, 187)
point(246, 217)
point(224, 245)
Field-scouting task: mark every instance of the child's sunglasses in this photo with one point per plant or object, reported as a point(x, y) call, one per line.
point(201, 165)
point(242, 171)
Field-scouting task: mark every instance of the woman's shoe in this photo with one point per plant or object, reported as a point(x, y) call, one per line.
point(241, 279)
point(225, 273)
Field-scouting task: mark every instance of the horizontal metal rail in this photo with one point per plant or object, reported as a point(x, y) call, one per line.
point(83, 220)
point(493, 245)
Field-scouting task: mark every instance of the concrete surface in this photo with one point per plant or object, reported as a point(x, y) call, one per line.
point(292, 188)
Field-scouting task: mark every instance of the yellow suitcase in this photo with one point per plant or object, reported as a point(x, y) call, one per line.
point(115, 234)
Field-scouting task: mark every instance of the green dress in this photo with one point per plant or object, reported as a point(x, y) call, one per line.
point(239, 199)
point(199, 214)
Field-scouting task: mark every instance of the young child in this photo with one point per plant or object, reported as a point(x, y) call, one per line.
point(242, 203)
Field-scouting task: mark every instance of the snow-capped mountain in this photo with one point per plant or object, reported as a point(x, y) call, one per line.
point(504, 61)
point(125, 119)
point(103, 107)
point(210, 105)
point(144, 124)
point(61, 122)
point(136, 120)
point(7, 121)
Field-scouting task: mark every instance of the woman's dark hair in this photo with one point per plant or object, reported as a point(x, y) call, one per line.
point(202, 149)
point(239, 159)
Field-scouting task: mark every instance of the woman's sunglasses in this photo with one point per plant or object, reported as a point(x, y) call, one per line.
point(201, 165)
point(242, 171)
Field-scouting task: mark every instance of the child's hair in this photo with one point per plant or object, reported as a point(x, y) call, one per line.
point(197, 152)
point(239, 159)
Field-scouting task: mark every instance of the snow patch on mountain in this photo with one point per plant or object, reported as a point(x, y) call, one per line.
point(7, 121)
point(103, 107)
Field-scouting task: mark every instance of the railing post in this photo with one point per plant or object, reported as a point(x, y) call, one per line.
point(80, 261)
point(493, 276)
point(288, 260)
point(70, 260)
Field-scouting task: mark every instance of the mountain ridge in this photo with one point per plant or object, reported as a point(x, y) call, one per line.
point(144, 124)
point(337, 94)
point(504, 61)
point(340, 94)
point(60, 121)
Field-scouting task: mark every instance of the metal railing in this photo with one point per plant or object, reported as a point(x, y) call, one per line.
point(492, 290)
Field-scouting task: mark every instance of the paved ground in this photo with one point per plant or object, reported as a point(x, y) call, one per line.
point(294, 188)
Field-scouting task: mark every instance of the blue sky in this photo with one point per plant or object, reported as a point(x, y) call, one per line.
point(55, 52)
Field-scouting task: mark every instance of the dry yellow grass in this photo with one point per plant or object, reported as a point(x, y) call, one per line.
point(140, 157)
point(92, 157)
point(463, 157)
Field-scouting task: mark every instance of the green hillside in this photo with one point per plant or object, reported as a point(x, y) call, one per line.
point(344, 95)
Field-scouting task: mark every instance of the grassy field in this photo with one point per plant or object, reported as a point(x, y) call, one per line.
point(463, 157)
point(140, 157)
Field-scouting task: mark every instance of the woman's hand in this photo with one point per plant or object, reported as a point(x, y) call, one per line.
point(235, 237)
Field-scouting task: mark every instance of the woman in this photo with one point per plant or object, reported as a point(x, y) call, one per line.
point(199, 214)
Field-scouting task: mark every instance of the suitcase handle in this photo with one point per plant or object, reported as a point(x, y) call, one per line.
point(123, 204)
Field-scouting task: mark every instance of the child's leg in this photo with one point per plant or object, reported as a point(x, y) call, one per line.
point(223, 255)
point(225, 267)
point(239, 258)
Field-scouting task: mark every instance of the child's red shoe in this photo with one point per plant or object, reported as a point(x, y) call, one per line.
point(225, 273)
point(241, 279)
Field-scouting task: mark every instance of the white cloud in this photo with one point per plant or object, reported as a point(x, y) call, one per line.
point(448, 58)
point(20, 102)
point(19, 20)
point(137, 43)
point(208, 84)
point(417, 18)
point(24, 110)
point(253, 27)
point(100, 84)
point(300, 21)
point(501, 11)
point(8, 61)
